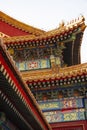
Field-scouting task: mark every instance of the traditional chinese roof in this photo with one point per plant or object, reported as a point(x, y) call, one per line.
point(16, 98)
point(60, 34)
point(47, 74)
point(70, 34)
point(67, 76)
point(13, 27)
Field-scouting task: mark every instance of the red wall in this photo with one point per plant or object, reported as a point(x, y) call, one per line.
point(10, 30)
point(77, 125)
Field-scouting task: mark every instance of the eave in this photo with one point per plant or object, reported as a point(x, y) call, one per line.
point(15, 93)
point(50, 73)
point(19, 25)
point(59, 35)
point(59, 78)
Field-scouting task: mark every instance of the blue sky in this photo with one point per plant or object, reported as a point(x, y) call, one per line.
point(47, 14)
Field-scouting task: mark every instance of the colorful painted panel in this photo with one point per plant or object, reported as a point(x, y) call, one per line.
point(49, 106)
point(32, 65)
point(61, 104)
point(63, 116)
point(21, 66)
point(44, 63)
point(85, 101)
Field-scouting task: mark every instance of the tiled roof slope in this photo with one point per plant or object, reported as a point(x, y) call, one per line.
point(62, 33)
point(18, 26)
point(66, 72)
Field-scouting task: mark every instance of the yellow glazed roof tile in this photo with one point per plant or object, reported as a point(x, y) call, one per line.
point(17, 24)
point(62, 73)
point(61, 30)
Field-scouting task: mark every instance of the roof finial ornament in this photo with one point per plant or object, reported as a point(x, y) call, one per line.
point(82, 17)
point(61, 24)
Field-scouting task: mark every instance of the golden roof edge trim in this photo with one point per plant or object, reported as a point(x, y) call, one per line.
point(48, 34)
point(63, 72)
point(32, 98)
point(20, 25)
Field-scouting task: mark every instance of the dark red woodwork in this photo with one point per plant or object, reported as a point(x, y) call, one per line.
point(10, 30)
point(75, 125)
point(5, 61)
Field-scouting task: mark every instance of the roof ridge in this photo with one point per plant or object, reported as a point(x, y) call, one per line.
point(63, 26)
point(20, 25)
point(58, 32)
point(70, 71)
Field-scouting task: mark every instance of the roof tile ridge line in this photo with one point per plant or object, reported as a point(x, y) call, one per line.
point(26, 37)
point(75, 66)
point(25, 85)
point(21, 37)
point(8, 55)
point(75, 21)
point(70, 23)
point(76, 69)
point(20, 25)
point(62, 69)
